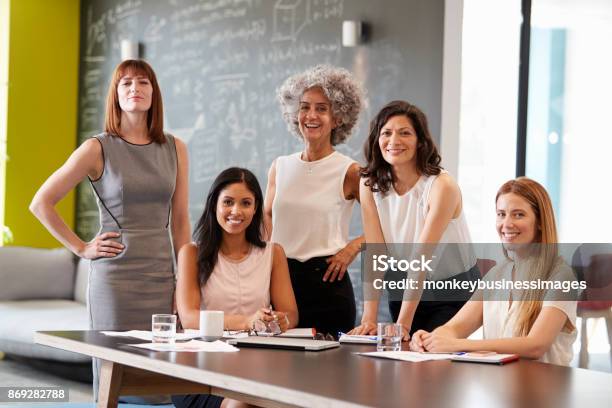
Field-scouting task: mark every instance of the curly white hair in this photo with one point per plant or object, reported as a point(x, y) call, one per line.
point(338, 84)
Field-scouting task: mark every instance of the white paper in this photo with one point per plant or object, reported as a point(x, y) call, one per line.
point(358, 339)
point(137, 334)
point(187, 335)
point(413, 356)
point(193, 346)
point(232, 334)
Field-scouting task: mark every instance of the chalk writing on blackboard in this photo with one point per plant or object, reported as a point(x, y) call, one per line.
point(290, 18)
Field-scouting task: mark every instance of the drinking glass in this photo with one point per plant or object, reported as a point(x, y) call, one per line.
point(389, 337)
point(163, 328)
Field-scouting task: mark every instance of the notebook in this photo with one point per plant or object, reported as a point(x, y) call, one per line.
point(492, 358)
point(306, 333)
point(357, 339)
point(284, 343)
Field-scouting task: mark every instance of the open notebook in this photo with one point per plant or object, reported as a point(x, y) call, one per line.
point(303, 333)
point(492, 358)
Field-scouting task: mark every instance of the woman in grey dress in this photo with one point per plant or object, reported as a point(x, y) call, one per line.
point(139, 176)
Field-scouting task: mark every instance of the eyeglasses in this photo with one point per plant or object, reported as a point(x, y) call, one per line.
point(260, 328)
point(271, 328)
point(324, 336)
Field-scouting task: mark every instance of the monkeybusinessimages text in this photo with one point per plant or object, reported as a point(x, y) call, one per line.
point(384, 263)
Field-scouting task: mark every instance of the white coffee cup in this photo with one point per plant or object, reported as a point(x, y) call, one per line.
point(211, 324)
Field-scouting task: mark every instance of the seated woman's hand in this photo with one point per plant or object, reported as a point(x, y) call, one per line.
point(366, 328)
point(438, 343)
point(268, 316)
point(282, 319)
point(248, 322)
point(416, 343)
point(262, 314)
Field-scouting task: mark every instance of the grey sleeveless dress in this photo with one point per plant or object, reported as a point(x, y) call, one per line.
point(134, 195)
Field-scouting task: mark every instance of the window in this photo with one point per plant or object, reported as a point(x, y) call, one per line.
point(569, 145)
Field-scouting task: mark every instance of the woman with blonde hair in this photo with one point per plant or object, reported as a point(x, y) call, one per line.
point(139, 175)
point(533, 323)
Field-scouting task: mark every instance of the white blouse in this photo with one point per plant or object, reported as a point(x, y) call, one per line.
point(500, 317)
point(310, 216)
point(402, 219)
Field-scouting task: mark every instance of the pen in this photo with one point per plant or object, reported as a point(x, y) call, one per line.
point(270, 311)
point(456, 353)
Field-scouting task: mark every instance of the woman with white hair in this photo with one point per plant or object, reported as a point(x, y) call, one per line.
point(311, 194)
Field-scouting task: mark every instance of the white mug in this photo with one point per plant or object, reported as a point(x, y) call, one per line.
point(211, 324)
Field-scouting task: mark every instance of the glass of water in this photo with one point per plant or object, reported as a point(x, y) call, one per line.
point(164, 328)
point(389, 337)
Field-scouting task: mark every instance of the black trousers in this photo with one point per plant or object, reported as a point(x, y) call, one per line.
point(431, 314)
point(428, 315)
point(329, 307)
point(197, 401)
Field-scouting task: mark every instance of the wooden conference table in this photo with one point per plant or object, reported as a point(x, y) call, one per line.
point(330, 378)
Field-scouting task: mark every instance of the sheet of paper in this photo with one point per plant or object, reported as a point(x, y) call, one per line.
point(193, 346)
point(186, 335)
point(235, 334)
point(137, 334)
point(412, 356)
point(358, 339)
point(228, 334)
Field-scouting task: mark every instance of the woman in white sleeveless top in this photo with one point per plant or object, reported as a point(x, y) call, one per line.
point(407, 198)
point(311, 194)
point(534, 324)
point(231, 268)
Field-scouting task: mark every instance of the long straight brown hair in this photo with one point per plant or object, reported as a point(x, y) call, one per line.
point(155, 115)
point(208, 234)
point(545, 258)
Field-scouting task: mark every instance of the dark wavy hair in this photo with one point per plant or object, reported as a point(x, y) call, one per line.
point(377, 171)
point(208, 233)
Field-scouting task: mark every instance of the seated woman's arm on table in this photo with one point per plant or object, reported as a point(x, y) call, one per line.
point(451, 337)
point(281, 291)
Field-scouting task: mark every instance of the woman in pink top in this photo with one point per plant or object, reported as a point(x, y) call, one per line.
point(230, 267)
point(230, 263)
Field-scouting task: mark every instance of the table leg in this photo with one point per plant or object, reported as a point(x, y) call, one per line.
point(111, 375)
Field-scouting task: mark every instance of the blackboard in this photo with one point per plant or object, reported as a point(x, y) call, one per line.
point(219, 63)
